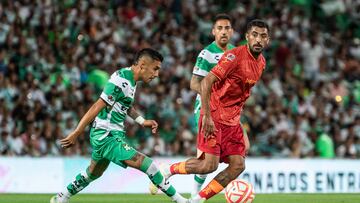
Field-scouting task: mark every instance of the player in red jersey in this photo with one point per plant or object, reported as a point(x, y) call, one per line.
point(223, 94)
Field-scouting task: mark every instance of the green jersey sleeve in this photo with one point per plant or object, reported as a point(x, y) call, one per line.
point(114, 89)
point(202, 65)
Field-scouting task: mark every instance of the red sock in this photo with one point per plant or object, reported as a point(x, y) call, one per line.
point(211, 189)
point(178, 168)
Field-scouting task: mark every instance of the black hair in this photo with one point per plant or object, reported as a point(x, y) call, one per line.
point(222, 16)
point(257, 23)
point(153, 54)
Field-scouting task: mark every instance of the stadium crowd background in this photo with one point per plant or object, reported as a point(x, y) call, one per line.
point(55, 57)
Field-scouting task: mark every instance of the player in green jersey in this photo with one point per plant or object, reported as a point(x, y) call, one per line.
point(107, 135)
point(206, 60)
point(210, 55)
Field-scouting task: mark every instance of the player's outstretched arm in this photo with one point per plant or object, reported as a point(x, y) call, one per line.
point(141, 121)
point(206, 84)
point(85, 120)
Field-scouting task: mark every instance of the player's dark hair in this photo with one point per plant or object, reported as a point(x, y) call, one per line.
point(257, 23)
point(223, 16)
point(153, 54)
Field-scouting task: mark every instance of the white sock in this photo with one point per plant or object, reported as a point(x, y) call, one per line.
point(64, 195)
point(197, 197)
point(199, 180)
point(165, 169)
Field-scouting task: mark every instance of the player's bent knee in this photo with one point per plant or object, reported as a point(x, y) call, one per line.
point(209, 167)
point(237, 168)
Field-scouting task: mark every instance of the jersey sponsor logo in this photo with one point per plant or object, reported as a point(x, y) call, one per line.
point(124, 108)
point(208, 57)
point(230, 56)
point(217, 57)
point(124, 84)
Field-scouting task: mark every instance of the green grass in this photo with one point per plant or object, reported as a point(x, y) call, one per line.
point(143, 198)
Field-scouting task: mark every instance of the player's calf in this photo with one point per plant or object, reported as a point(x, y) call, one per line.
point(156, 177)
point(236, 166)
point(193, 166)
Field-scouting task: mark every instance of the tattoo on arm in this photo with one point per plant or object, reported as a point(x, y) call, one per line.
point(137, 157)
point(133, 113)
point(195, 83)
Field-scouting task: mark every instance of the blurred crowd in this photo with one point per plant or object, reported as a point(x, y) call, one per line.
point(55, 56)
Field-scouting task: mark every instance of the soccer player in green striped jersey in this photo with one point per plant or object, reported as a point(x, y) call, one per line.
point(206, 60)
point(210, 55)
point(107, 135)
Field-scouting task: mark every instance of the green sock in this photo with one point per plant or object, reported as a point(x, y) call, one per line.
point(199, 181)
point(81, 181)
point(156, 177)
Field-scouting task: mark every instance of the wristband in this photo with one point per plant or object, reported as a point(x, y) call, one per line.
point(140, 120)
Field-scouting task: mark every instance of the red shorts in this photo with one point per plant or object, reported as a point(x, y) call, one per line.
point(229, 140)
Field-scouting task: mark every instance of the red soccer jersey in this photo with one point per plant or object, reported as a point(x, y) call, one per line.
point(237, 72)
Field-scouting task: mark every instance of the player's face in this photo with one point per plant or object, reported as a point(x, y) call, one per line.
point(258, 38)
point(222, 31)
point(149, 69)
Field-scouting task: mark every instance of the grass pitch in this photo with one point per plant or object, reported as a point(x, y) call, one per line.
point(144, 198)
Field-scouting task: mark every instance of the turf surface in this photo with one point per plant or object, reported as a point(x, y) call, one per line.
point(143, 198)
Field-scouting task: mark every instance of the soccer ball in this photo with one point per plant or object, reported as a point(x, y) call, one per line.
point(153, 189)
point(239, 191)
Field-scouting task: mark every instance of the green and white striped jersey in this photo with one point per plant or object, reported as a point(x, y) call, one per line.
point(206, 60)
point(119, 94)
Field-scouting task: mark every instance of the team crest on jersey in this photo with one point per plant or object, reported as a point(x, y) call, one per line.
point(126, 147)
point(230, 56)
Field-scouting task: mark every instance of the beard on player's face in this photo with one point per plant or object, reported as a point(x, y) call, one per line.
point(257, 48)
point(257, 38)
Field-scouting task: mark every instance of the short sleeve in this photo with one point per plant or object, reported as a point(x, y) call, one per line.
point(202, 66)
point(226, 65)
point(112, 89)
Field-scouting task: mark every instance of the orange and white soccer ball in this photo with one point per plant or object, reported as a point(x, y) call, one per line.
point(239, 191)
